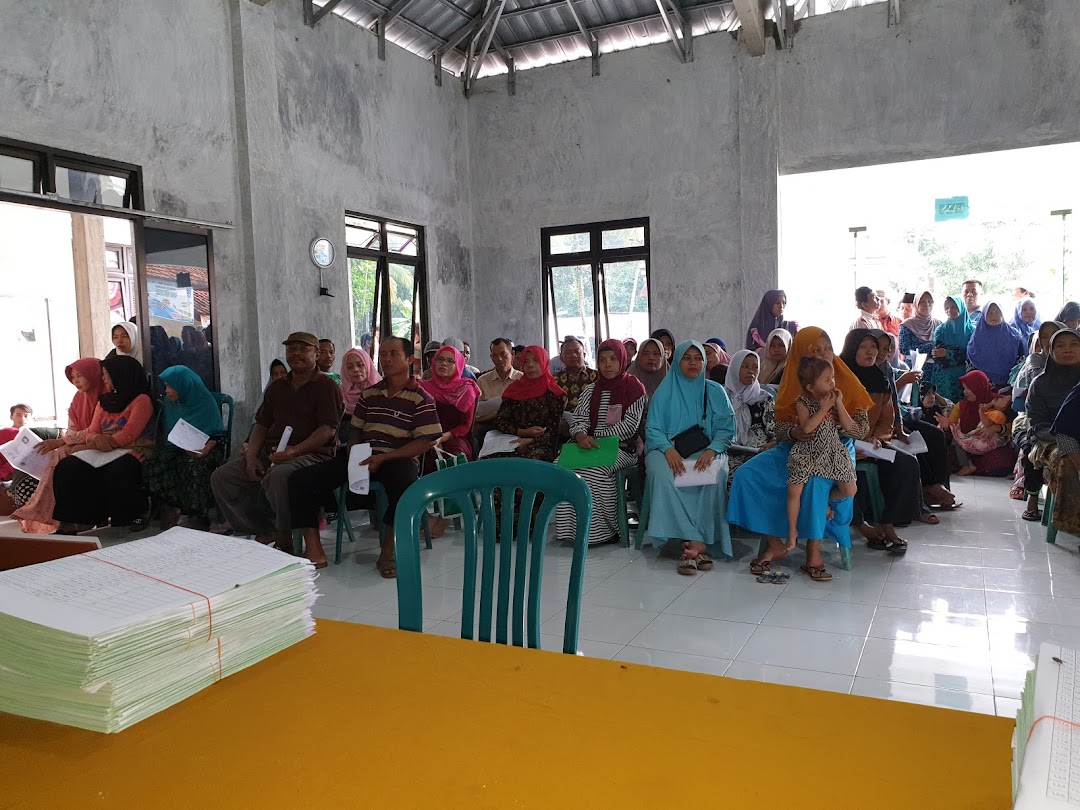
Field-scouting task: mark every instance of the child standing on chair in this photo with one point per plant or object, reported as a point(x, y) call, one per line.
point(822, 415)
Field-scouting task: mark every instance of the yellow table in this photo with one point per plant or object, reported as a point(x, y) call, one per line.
point(363, 717)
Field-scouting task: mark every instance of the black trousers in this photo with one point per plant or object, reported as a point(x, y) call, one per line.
point(308, 488)
point(901, 489)
point(93, 495)
point(934, 463)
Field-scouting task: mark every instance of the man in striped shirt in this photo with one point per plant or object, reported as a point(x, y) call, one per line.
point(399, 420)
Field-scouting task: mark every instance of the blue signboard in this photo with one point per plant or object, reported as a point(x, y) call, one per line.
point(951, 208)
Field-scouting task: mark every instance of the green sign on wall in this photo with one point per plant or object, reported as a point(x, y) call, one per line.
point(951, 208)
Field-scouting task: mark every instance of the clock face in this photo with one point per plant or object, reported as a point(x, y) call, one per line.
point(322, 252)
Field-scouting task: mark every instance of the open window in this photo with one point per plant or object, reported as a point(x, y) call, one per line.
point(596, 282)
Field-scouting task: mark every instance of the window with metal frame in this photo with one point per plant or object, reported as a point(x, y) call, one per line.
point(596, 282)
point(35, 169)
point(387, 281)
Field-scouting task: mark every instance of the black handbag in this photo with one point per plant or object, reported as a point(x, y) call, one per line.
point(693, 439)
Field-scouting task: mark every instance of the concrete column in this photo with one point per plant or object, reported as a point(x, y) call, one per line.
point(91, 285)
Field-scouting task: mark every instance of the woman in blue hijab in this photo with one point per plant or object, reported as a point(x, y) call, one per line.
point(695, 414)
point(950, 350)
point(180, 479)
point(1026, 319)
point(995, 345)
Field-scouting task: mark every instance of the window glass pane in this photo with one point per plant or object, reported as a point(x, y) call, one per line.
point(627, 299)
point(16, 173)
point(362, 233)
point(573, 304)
point(362, 274)
point(401, 299)
point(570, 242)
point(112, 259)
point(178, 289)
point(402, 239)
point(91, 187)
point(623, 238)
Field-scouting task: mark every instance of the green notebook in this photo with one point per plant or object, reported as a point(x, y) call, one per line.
point(574, 458)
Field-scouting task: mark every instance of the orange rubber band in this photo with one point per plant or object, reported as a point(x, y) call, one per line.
point(1049, 717)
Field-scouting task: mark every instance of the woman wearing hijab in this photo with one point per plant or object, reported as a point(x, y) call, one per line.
point(900, 479)
point(532, 408)
point(612, 406)
point(995, 345)
point(753, 409)
point(126, 341)
point(180, 479)
point(1026, 318)
point(455, 400)
point(759, 487)
point(769, 317)
point(1033, 365)
point(667, 340)
point(1047, 394)
point(34, 499)
point(694, 413)
point(917, 332)
point(950, 350)
point(357, 373)
point(1069, 315)
point(716, 362)
point(1064, 478)
point(974, 435)
point(650, 366)
point(773, 357)
point(87, 496)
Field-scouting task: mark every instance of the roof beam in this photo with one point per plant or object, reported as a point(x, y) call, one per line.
point(482, 54)
point(470, 29)
point(392, 13)
point(752, 20)
point(312, 16)
point(670, 31)
point(590, 38)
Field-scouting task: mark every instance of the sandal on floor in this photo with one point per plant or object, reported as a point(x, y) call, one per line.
point(1032, 514)
point(878, 544)
point(897, 546)
point(929, 519)
point(775, 578)
point(818, 573)
point(1017, 493)
point(759, 568)
point(388, 568)
point(687, 566)
point(704, 562)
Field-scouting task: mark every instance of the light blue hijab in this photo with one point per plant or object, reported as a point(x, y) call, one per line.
point(195, 405)
point(679, 403)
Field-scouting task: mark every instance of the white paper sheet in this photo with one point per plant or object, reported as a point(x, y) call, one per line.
point(496, 442)
point(884, 453)
point(916, 445)
point(21, 455)
point(99, 458)
point(188, 437)
point(693, 478)
point(918, 360)
point(359, 473)
point(86, 596)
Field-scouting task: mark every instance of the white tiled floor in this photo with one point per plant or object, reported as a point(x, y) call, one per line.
point(954, 623)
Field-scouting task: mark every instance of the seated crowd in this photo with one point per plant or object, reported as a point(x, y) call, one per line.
point(790, 429)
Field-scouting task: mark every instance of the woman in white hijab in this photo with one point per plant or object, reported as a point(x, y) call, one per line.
point(753, 407)
point(126, 340)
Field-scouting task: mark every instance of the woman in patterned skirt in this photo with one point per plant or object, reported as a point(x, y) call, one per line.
point(612, 406)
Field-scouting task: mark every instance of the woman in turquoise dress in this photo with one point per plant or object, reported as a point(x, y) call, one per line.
point(696, 516)
point(950, 351)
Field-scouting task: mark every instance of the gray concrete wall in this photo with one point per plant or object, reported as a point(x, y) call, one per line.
point(648, 137)
point(243, 114)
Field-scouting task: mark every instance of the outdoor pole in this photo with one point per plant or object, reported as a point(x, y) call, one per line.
point(1063, 213)
point(855, 234)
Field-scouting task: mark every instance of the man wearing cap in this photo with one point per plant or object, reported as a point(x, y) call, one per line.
point(575, 374)
point(907, 307)
point(431, 348)
point(867, 301)
point(457, 343)
point(305, 403)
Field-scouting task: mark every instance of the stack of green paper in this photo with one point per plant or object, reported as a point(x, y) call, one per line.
point(574, 458)
point(1047, 733)
point(105, 639)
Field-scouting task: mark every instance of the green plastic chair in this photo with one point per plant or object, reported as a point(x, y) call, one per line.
point(873, 488)
point(627, 478)
point(1048, 517)
point(520, 554)
point(225, 403)
point(344, 525)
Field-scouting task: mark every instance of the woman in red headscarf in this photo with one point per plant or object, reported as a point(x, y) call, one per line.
point(532, 408)
point(612, 406)
point(455, 400)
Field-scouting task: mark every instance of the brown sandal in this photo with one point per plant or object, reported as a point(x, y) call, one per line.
point(387, 568)
point(759, 567)
point(818, 573)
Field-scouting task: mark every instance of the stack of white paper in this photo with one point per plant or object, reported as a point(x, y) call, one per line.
point(1046, 742)
point(106, 639)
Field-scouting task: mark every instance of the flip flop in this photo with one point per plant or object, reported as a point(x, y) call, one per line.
point(386, 568)
point(775, 578)
point(759, 568)
point(687, 566)
point(816, 573)
point(704, 561)
point(1032, 514)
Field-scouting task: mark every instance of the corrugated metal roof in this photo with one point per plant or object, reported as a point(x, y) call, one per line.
point(544, 32)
